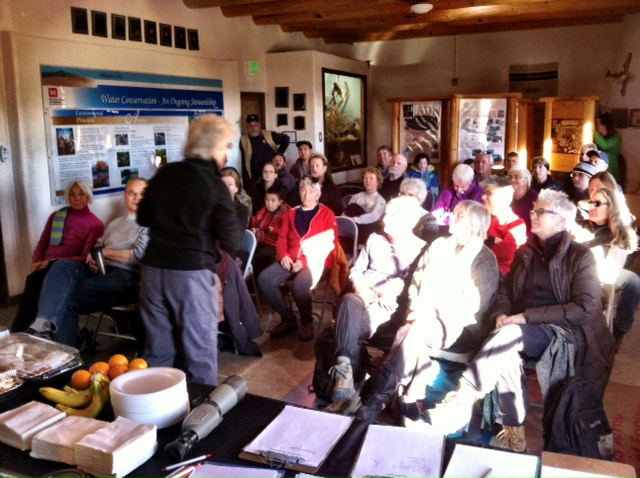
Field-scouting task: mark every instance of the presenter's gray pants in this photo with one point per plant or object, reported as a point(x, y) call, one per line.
point(179, 310)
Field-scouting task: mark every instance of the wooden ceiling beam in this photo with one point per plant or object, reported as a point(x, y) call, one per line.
point(344, 36)
point(194, 4)
point(386, 23)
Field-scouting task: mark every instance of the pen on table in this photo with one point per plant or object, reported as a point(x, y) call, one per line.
point(487, 473)
point(183, 472)
point(187, 462)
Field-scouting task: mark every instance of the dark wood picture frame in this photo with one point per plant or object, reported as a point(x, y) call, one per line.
point(166, 37)
point(299, 123)
point(634, 118)
point(150, 32)
point(180, 37)
point(282, 97)
point(99, 24)
point(282, 119)
point(299, 102)
point(194, 41)
point(135, 29)
point(344, 121)
point(118, 27)
point(79, 21)
point(620, 117)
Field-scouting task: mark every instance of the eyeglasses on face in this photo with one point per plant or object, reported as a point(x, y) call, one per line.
point(515, 177)
point(595, 204)
point(540, 211)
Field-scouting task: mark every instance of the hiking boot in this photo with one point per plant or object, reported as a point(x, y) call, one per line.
point(282, 329)
point(455, 411)
point(306, 332)
point(382, 389)
point(513, 438)
point(371, 412)
point(344, 388)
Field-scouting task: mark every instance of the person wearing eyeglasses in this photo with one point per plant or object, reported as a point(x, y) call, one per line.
point(269, 178)
point(523, 195)
point(580, 176)
point(612, 239)
point(550, 299)
point(305, 251)
point(74, 288)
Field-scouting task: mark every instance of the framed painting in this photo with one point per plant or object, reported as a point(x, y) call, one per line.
point(135, 29)
point(344, 118)
point(634, 118)
point(79, 21)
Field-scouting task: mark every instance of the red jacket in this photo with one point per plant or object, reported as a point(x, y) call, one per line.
point(290, 242)
point(267, 224)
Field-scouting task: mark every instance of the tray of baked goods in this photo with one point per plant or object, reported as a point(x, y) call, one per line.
point(24, 357)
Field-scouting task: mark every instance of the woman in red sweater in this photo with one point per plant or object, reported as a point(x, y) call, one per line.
point(304, 250)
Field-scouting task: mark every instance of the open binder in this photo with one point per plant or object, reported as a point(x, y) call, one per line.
point(298, 438)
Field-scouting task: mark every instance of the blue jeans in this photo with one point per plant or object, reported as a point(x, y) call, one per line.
point(269, 282)
point(71, 289)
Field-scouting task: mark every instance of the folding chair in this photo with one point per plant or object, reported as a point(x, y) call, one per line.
point(249, 245)
point(348, 237)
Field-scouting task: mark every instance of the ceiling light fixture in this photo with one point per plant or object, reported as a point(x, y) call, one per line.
point(421, 8)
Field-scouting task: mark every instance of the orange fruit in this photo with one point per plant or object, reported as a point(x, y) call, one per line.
point(81, 379)
point(138, 364)
point(118, 359)
point(117, 370)
point(101, 367)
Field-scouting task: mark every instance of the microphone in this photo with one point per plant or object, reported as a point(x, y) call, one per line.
point(205, 417)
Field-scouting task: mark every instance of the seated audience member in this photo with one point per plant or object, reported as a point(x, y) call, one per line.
point(385, 154)
point(266, 225)
point(451, 291)
point(231, 178)
point(550, 297)
point(287, 179)
point(599, 159)
point(507, 231)
point(612, 240)
point(269, 178)
point(427, 227)
point(603, 179)
point(74, 288)
point(567, 185)
point(482, 165)
point(463, 188)
point(305, 250)
point(397, 172)
point(377, 279)
point(523, 195)
point(541, 178)
point(330, 197)
point(300, 168)
point(512, 159)
point(70, 233)
point(580, 176)
point(367, 207)
point(423, 170)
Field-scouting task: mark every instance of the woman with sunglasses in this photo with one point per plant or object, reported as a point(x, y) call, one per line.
point(304, 251)
point(612, 240)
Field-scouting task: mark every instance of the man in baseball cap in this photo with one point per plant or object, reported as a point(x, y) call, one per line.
point(257, 148)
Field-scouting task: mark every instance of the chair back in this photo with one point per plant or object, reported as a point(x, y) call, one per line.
point(249, 244)
point(348, 237)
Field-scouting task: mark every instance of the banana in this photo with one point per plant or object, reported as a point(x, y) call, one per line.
point(100, 388)
point(78, 399)
point(69, 389)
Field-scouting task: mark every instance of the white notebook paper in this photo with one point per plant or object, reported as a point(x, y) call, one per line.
point(473, 461)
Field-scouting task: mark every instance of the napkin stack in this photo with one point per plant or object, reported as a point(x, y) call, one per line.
point(18, 426)
point(117, 449)
point(58, 442)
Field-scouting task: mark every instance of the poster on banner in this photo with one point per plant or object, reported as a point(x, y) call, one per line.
point(106, 127)
point(482, 127)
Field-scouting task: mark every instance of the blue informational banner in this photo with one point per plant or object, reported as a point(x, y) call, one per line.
point(106, 127)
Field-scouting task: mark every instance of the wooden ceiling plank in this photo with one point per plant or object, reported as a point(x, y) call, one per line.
point(269, 8)
point(194, 4)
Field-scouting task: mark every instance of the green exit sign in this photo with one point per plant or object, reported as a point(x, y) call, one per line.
point(254, 67)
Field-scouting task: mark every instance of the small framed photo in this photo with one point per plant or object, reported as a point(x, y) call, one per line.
point(180, 35)
point(135, 29)
point(99, 24)
point(118, 27)
point(282, 119)
point(293, 136)
point(299, 102)
point(299, 123)
point(150, 32)
point(282, 97)
point(79, 21)
point(620, 117)
point(634, 118)
point(165, 35)
point(194, 43)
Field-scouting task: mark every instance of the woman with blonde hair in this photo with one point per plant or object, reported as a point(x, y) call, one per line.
point(367, 207)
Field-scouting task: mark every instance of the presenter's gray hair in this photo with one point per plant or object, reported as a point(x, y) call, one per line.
point(205, 133)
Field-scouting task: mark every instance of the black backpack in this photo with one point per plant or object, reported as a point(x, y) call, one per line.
point(575, 423)
point(325, 351)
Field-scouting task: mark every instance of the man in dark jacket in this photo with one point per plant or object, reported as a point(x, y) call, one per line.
point(551, 293)
point(257, 147)
point(188, 210)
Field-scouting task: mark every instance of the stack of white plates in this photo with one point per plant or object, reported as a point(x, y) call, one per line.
point(154, 396)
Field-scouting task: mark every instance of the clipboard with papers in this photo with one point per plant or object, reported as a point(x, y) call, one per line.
point(298, 438)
